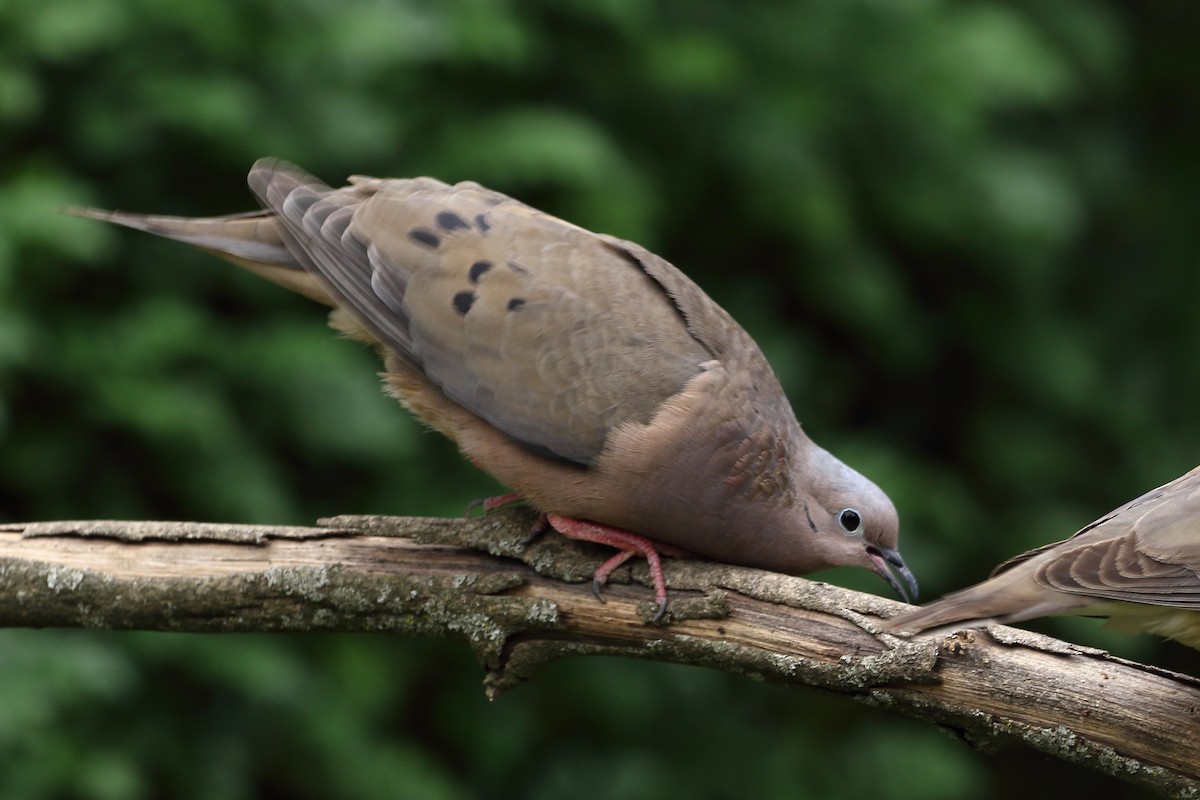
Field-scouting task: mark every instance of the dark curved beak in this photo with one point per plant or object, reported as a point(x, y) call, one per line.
point(891, 567)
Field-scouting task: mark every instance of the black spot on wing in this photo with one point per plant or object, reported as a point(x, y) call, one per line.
point(449, 221)
point(463, 302)
point(482, 223)
point(477, 270)
point(516, 303)
point(424, 237)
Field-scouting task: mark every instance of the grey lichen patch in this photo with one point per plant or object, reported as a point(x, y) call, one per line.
point(506, 532)
point(483, 631)
point(848, 677)
point(488, 622)
point(785, 665)
point(64, 579)
point(573, 562)
point(916, 660)
point(905, 663)
point(542, 613)
point(305, 582)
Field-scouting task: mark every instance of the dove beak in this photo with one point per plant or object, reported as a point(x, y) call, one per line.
point(889, 564)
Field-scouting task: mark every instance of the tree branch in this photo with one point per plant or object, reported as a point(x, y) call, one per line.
point(527, 601)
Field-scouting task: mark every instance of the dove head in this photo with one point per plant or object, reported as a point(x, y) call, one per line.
point(853, 523)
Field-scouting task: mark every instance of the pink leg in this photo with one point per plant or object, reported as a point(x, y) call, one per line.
point(629, 544)
point(492, 503)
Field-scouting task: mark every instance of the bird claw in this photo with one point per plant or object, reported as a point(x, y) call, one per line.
point(629, 544)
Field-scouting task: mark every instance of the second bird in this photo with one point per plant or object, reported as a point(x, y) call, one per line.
point(1138, 565)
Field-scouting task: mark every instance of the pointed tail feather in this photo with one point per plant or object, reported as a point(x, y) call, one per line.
point(958, 607)
point(250, 241)
point(993, 601)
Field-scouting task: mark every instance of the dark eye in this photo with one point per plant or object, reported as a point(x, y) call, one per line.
point(851, 521)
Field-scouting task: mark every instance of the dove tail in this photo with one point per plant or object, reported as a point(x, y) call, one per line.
point(251, 241)
point(978, 605)
point(953, 608)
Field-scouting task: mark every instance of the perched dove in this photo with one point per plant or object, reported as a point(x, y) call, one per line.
point(1139, 566)
point(580, 370)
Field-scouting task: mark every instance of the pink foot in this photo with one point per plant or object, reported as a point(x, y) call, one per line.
point(492, 503)
point(630, 544)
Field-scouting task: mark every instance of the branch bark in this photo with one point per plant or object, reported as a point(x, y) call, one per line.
point(522, 601)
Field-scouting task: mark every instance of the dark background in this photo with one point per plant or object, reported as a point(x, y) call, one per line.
point(963, 232)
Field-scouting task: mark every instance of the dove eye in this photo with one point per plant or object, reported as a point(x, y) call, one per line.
point(851, 521)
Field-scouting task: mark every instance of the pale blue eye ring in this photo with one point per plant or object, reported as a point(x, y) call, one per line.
point(851, 521)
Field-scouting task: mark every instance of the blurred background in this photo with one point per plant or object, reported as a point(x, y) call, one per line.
point(963, 232)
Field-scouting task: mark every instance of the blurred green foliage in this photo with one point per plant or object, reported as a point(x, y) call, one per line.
point(964, 232)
